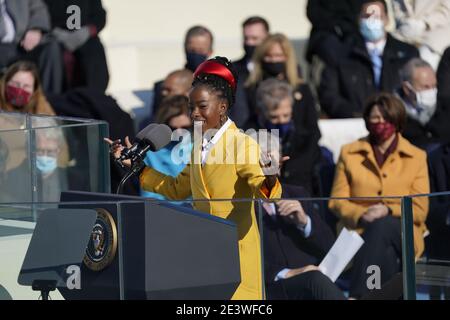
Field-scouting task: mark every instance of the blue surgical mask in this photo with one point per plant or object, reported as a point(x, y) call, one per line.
point(372, 29)
point(284, 128)
point(46, 164)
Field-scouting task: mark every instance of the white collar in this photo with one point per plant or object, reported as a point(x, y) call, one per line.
point(379, 46)
point(208, 145)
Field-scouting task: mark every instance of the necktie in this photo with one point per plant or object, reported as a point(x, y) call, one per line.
point(377, 66)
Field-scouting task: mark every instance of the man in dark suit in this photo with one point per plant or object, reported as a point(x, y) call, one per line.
point(296, 239)
point(372, 65)
point(254, 30)
point(198, 47)
point(427, 112)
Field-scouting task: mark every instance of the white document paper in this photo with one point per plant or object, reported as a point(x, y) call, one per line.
point(344, 249)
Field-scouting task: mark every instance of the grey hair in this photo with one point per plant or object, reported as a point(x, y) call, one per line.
point(47, 128)
point(271, 92)
point(407, 72)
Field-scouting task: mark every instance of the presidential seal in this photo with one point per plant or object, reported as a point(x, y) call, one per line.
point(102, 245)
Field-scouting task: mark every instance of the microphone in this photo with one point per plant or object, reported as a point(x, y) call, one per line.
point(152, 138)
point(127, 153)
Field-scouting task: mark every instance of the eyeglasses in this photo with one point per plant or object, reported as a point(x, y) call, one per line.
point(47, 152)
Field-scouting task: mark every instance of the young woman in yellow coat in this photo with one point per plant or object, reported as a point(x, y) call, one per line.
point(224, 167)
point(385, 164)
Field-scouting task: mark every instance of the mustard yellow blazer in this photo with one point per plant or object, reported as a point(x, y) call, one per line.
point(238, 178)
point(358, 175)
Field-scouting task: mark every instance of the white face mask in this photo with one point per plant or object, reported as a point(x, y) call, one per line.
point(427, 99)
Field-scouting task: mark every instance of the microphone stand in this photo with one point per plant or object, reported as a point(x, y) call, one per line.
point(135, 169)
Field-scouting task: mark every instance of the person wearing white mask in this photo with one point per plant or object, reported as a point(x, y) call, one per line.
point(427, 119)
point(43, 174)
point(372, 66)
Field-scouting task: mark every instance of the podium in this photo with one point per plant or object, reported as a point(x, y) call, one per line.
point(141, 249)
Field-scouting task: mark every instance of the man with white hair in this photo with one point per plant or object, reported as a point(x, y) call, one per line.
point(428, 118)
point(44, 176)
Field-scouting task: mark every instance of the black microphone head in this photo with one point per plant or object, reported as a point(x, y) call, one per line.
point(158, 137)
point(141, 135)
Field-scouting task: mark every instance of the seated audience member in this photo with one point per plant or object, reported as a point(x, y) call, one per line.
point(84, 54)
point(443, 76)
point(332, 23)
point(275, 58)
point(21, 90)
point(296, 121)
point(255, 30)
point(372, 65)
point(438, 221)
point(24, 25)
point(425, 24)
point(296, 240)
point(172, 159)
point(51, 178)
point(382, 165)
point(178, 82)
point(427, 118)
point(198, 47)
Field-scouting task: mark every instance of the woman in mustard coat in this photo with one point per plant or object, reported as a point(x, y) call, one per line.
point(386, 165)
point(226, 166)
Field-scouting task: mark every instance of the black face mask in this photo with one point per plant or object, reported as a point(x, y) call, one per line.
point(274, 69)
point(194, 60)
point(249, 51)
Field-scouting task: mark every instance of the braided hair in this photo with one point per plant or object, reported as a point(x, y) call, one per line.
point(219, 84)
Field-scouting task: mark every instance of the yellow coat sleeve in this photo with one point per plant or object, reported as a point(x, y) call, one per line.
point(421, 185)
point(178, 188)
point(349, 212)
point(252, 171)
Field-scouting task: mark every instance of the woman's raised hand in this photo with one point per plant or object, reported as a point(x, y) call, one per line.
point(116, 149)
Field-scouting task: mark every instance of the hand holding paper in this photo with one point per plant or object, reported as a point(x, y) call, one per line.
point(344, 249)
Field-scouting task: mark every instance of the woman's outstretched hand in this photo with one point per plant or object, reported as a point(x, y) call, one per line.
point(116, 149)
point(271, 165)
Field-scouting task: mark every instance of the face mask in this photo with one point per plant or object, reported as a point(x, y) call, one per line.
point(17, 96)
point(372, 29)
point(194, 60)
point(381, 131)
point(249, 51)
point(427, 99)
point(284, 128)
point(273, 69)
point(46, 164)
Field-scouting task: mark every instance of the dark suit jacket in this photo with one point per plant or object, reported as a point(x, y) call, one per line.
point(443, 75)
point(439, 214)
point(285, 246)
point(345, 88)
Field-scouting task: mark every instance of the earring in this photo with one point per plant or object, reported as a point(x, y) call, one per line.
point(223, 119)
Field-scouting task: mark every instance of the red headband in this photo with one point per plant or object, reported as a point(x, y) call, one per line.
point(215, 68)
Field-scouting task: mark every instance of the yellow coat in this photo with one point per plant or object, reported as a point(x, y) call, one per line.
point(239, 179)
point(404, 173)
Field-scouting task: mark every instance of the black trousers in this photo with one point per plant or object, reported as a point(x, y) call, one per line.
point(47, 56)
point(312, 285)
point(382, 248)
